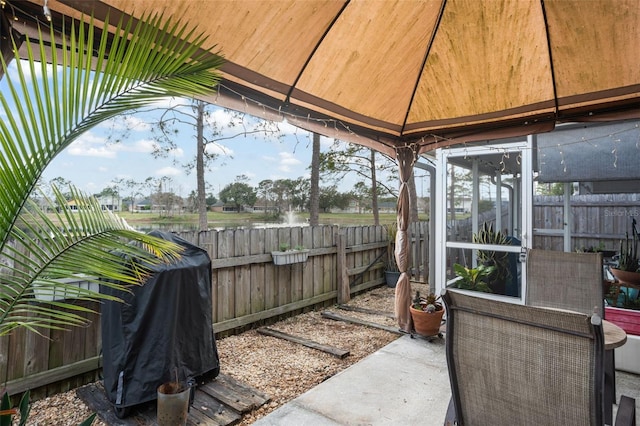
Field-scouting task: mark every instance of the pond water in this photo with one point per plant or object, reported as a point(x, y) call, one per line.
point(218, 226)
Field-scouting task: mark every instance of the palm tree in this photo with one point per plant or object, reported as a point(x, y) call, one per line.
point(92, 76)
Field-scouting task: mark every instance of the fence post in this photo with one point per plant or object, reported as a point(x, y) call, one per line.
point(344, 293)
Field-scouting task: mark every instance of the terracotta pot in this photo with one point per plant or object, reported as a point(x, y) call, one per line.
point(426, 323)
point(626, 277)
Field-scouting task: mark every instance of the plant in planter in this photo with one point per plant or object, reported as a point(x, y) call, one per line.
point(623, 301)
point(628, 268)
point(473, 278)
point(497, 280)
point(623, 297)
point(287, 255)
point(426, 313)
point(391, 272)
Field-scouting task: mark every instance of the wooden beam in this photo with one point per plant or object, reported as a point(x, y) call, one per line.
point(340, 353)
point(338, 317)
point(366, 311)
point(54, 375)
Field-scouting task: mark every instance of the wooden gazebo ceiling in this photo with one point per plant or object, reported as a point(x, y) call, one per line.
point(434, 72)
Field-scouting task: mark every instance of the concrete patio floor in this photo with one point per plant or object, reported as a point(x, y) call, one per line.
point(404, 383)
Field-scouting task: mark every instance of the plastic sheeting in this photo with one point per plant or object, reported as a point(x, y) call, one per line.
point(164, 325)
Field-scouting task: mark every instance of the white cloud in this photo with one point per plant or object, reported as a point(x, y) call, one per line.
point(91, 145)
point(220, 117)
point(126, 122)
point(287, 161)
point(218, 149)
point(168, 171)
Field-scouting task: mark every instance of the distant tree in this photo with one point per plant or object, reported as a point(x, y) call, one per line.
point(199, 121)
point(362, 194)
point(300, 194)
point(239, 194)
point(284, 191)
point(110, 194)
point(556, 188)
point(367, 164)
point(134, 188)
point(330, 197)
point(163, 199)
point(459, 186)
point(211, 200)
point(314, 202)
point(58, 182)
point(266, 193)
point(192, 202)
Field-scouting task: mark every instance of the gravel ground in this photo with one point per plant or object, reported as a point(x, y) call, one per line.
point(281, 369)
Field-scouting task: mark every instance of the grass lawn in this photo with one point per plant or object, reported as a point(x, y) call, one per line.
point(217, 219)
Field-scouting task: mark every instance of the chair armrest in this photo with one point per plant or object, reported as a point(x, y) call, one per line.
point(626, 415)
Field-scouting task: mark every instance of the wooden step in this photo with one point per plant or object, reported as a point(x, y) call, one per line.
point(221, 401)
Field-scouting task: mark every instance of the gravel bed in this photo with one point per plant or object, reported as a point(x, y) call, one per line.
point(281, 369)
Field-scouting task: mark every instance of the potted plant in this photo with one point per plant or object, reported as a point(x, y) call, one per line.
point(426, 313)
point(391, 272)
point(627, 270)
point(287, 255)
point(623, 309)
point(624, 303)
point(475, 279)
point(498, 277)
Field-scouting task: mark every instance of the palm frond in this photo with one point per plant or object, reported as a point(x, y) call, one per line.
point(86, 245)
point(92, 76)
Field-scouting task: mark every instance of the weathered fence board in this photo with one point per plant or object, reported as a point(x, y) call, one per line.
point(598, 219)
point(247, 288)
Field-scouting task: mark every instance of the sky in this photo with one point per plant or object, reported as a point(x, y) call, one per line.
point(95, 161)
point(121, 150)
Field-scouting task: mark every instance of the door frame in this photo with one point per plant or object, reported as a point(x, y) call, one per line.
point(524, 209)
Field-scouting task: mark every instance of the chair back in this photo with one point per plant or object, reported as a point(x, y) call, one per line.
point(565, 280)
point(513, 364)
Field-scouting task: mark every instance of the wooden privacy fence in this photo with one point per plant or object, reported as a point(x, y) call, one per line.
point(247, 288)
point(598, 219)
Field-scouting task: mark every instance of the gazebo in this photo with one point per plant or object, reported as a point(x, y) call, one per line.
point(406, 77)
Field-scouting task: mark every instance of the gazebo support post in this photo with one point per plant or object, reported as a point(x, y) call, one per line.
point(406, 156)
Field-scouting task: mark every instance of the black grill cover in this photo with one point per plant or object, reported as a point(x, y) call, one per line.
point(163, 325)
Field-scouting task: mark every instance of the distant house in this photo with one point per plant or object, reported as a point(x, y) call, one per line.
point(261, 207)
point(143, 206)
point(387, 206)
point(72, 205)
point(218, 206)
point(109, 203)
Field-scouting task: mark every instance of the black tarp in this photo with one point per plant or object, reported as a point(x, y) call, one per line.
point(163, 325)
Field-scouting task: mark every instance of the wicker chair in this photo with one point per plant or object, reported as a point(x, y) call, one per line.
point(511, 364)
point(565, 280)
